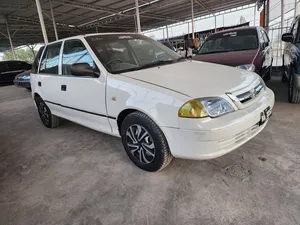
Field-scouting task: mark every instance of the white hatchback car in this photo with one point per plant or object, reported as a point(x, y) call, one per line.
point(160, 104)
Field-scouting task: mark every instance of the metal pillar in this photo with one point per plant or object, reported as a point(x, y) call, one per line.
point(39, 9)
point(254, 22)
point(297, 7)
point(163, 33)
point(138, 16)
point(193, 25)
point(282, 16)
point(53, 20)
point(167, 32)
point(10, 41)
point(215, 23)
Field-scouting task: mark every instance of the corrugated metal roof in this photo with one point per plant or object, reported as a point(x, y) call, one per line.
point(83, 16)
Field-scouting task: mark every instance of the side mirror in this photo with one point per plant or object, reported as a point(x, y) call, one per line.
point(83, 70)
point(287, 37)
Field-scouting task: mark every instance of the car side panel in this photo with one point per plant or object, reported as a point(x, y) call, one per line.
point(159, 104)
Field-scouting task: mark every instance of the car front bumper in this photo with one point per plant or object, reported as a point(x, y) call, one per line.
point(22, 83)
point(208, 138)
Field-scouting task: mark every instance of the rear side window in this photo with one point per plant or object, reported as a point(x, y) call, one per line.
point(35, 64)
point(50, 60)
point(75, 52)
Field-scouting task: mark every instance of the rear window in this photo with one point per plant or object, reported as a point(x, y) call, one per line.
point(239, 40)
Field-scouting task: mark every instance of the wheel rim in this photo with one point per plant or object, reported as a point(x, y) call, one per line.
point(43, 112)
point(140, 144)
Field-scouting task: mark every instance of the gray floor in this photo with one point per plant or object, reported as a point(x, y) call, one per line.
point(73, 175)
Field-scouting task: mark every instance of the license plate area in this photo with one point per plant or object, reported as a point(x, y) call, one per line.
point(265, 115)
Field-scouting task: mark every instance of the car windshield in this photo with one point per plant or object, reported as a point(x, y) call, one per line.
point(123, 53)
point(230, 41)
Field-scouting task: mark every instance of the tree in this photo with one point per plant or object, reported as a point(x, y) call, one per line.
point(26, 54)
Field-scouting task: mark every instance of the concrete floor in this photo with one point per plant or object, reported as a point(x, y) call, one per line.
point(75, 176)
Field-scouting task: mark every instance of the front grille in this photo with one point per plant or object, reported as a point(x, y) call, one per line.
point(250, 95)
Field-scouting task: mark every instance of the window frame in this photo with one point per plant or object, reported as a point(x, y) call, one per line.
point(59, 59)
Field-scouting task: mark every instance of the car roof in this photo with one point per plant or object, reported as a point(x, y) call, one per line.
point(93, 34)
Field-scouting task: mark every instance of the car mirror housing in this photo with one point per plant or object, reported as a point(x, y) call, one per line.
point(83, 69)
point(287, 37)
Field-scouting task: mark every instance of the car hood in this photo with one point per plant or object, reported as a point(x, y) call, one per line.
point(196, 79)
point(234, 58)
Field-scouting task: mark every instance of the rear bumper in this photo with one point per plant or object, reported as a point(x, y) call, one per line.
point(22, 83)
point(211, 138)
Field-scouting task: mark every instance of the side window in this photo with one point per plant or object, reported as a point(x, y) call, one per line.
point(36, 61)
point(50, 60)
point(75, 52)
point(295, 29)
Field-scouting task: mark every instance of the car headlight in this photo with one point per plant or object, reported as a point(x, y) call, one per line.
point(204, 107)
point(263, 83)
point(26, 77)
point(248, 67)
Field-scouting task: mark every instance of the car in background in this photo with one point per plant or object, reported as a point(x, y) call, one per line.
point(9, 69)
point(162, 107)
point(291, 61)
point(245, 48)
point(23, 80)
point(169, 45)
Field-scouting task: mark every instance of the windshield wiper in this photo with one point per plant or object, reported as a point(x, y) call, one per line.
point(153, 64)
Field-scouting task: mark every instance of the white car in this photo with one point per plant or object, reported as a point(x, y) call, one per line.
point(161, 105)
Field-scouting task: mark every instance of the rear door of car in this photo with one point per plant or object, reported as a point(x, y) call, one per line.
point(46, 81)
point(3, 72)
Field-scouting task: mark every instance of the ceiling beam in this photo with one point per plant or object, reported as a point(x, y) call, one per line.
point(202, 4)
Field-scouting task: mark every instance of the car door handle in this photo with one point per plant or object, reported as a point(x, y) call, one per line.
point(39, 83)
point(64, 87)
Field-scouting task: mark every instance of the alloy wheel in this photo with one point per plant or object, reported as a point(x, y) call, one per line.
point(140, 144)
point(43, 112)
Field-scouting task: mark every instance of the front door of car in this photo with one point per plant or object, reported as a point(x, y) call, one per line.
point(82, 97)
point(266, 53)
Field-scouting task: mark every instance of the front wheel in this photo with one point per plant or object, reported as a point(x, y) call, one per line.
point(47, 118)
point(145, 143)
point(294, 93)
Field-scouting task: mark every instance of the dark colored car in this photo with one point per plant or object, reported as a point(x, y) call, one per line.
point(291, 61)
point(246, 48)
point(9, 69)
point(23, 80)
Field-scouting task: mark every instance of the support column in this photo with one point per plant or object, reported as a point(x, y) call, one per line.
point(282, 17)
point(138, 16)
point(193, 25)
point(167, 32)
point(163, 33)
point(254, 22)
point(53, 20)
point(39, 9)
point(10, 40)
point(215, 24)
point(297, 8)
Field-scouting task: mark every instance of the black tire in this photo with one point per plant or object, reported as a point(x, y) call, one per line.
point(293, 91)
point(149, 159)
point(47, 118)
point(268, 75)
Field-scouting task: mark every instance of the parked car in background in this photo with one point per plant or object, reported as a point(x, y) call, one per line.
point(246, 48)
point(9, 69)
point(23, 80)
point(169, 45)
point(291, 61)
point(161, 107)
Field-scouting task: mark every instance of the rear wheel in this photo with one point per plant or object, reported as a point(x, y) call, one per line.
point(45, 114)
point(294, 92)
point(145, 143)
